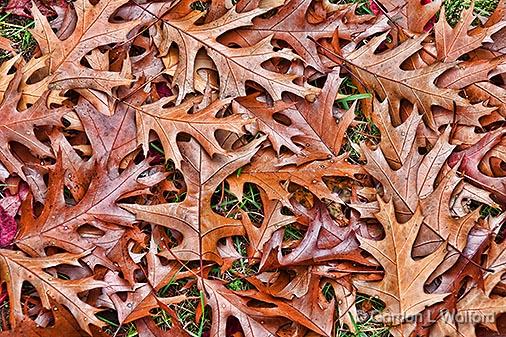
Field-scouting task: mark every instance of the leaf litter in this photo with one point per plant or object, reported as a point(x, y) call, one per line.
point(253, 168)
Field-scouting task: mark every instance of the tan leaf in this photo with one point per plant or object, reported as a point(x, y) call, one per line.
point(202, 125)
point(383, 74)
point(193, 218)
point(451, 43)
point(235, 65)
point(265, 173)
point(402, 288)
point(61, 58)
point(18, 126)
point(17, 268)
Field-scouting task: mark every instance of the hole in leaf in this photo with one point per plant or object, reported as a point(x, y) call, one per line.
point(89, 231)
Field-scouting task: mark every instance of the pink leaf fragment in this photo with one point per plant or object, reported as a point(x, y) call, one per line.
point(8, 228)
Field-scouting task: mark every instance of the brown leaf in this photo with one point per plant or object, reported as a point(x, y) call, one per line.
point(451, 43)
point(396, 142)
point(90, 222)
point(235, 65)
point(400, 289)
point(469, 159)
point(324, 240)
point(413, 15)
point(264, 172)
point(62, 59)
point(273, 220)
point(18, 126)
point(201, 125)
point(225, 303)
point(17, 268)
point(193, 218)
point(383, 74)
point(414, 179)
point(290, 25)
point(64, 324)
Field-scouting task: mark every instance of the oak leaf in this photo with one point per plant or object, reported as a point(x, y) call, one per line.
point(467, 161)
point(264, 172)
point(383, 74)
point(62, 58)
point(16, 268)
point(401, 289)
point(273, 220)
point(18, 126)
point(264, 319)
point(168, 123)
point(323, 133)
point(451, 43)
point(64, 323)
point(139, 302)
point(234, 65)
point(201, 228)
point(90, 222)
point(324, 240)
point(419, 171)
point(415, 16)
point(426, 180)
point(290, 24)
point(298, 127)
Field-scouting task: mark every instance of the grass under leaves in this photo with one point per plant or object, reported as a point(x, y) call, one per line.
point(454, 8)
point(17, 28)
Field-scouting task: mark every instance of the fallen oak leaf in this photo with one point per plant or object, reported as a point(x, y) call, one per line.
point(476, 304)
point(16, 268)
point(401, 290)
point(324, 240)
point(267, 116)
point(18, 126)
point(256, 320)
point(143, 298)
point(273, 220)
point(468, 163)
point(201, 228)
point(290, 24)
point(62, 58)
point(225, 303)
point(314, 311)
point(415, 178)
point(395, 142)
point(415, 16)
point(323, 135)
point(265, 172)
point(64, 323)
point(453, 42)
point(383, 74)
point(421, 180)
point(74, 228)
point(202, 125)
point(247, 61)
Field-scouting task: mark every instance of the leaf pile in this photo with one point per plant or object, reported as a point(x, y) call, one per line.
point(259, 168)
